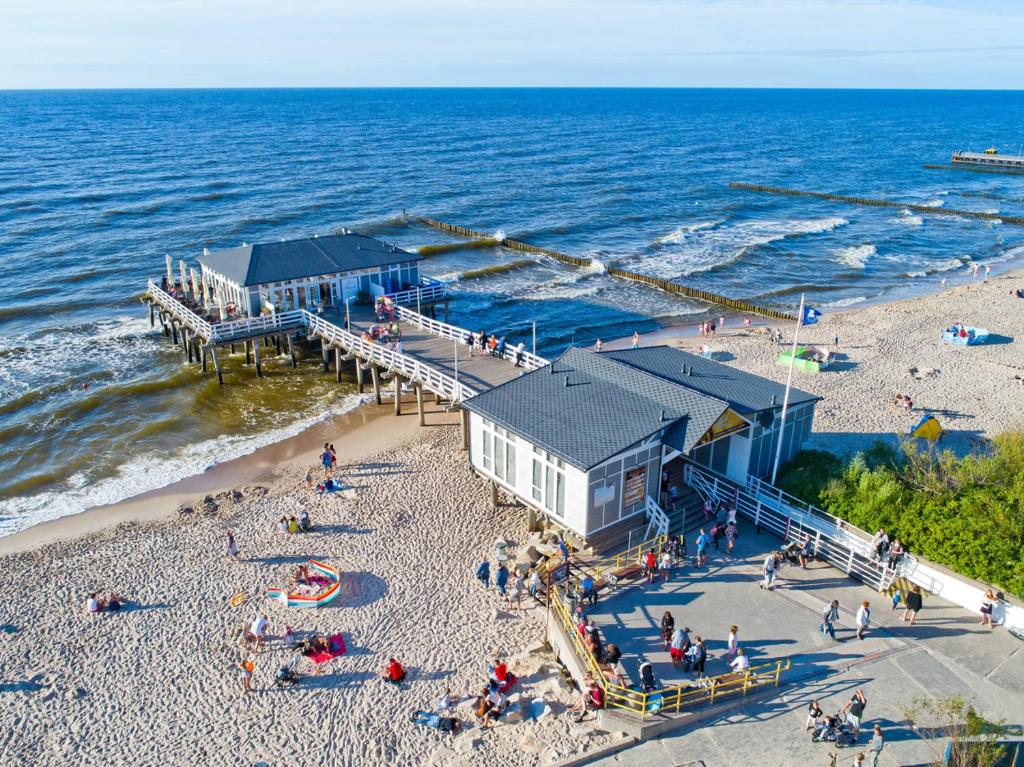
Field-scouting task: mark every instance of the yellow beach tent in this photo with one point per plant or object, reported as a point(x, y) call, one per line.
point(927, 428)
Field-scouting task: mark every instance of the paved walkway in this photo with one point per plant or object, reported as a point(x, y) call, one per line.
point(480, 372)
point(944, 653)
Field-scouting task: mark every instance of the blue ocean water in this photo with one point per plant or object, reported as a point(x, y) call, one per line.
point(96, 186)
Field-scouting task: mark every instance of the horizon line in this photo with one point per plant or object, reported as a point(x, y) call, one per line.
point(57, 88)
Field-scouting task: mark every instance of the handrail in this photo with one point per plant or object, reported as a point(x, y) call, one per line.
point(224, 331)
point(406, 366)
point(529, 360)
point(674, 698)
point(428, 290)
point(845, 547)
point(179, 310)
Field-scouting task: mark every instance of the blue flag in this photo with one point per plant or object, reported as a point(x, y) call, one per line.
point(810, 315)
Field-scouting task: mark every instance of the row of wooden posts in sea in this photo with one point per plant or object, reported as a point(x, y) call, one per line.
point(614, 271)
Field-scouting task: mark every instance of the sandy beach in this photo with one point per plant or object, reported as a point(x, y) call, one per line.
point(159, 682)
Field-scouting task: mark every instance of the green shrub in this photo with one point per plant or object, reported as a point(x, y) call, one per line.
point(963, 512)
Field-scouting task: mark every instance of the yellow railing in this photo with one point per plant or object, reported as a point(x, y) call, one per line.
point(668, 699)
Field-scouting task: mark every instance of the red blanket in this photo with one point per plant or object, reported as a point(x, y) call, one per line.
point(337, 647)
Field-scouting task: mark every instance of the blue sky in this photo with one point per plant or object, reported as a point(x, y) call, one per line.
point(714, 43)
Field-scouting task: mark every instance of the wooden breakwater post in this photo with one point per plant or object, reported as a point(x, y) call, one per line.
point(656, 282)
point(931, 209)
point(425, 251)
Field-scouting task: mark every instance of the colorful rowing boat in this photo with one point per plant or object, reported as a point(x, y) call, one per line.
point(332, 588)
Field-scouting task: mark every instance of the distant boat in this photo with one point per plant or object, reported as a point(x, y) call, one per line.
point(990, 159)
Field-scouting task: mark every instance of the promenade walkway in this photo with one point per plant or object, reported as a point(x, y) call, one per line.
point(945, 653)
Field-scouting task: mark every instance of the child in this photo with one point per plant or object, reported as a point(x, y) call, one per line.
point(897, 597)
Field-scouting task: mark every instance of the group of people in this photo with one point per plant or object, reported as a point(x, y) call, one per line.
point(846, 724)
point(328, 459)
point(511, 588)
point(95, 604)
point(291, 525)
point(691, 654)
point(903, 402)
point(496, 347)
point(887, 553)
point(492, 700)
point(707, 329)
point(830, 616)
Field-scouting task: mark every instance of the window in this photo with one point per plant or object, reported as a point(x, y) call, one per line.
point(549, 482)
point(499, 454)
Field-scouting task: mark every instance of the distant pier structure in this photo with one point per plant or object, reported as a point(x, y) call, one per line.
point(334, 289)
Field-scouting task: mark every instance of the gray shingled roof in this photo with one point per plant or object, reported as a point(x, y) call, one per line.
point(606, 407)
point(307, 257)
point(745, 392)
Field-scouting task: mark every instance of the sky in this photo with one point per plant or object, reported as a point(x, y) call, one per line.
point(975, 44)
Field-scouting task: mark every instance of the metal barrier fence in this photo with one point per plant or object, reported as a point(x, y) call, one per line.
point(674, 699)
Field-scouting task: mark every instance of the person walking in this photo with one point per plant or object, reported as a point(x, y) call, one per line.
point(702, 547)
point(483, 573)
point(534, 582)
point(258, 629)
point(730, 537)
point(732, 644)
point(665, 565)
point(598, 345)
point(247, 666)
point(768, 571)
point(854, 710)
point(515, 597)
point(813, 715)
point(875, 746)
point(863, 618)
point(679, 646)
point(805, 551)
point(520, 350)
point(829, 619)
point(700, 657)
point(668, 627)
point(912, 605)
point(231, 548)
point(988, 606)
point(501, 580)
point(588, 589)
point(650, 565)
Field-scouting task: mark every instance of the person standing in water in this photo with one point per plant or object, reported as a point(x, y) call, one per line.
point(636, 340)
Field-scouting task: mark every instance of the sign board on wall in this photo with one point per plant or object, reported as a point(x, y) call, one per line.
point(633, 487)
point(604, 494)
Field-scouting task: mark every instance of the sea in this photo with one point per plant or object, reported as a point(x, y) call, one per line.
point(96, 187)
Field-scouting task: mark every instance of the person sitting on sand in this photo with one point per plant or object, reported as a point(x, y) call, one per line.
point(314, 645)
point(114, 603)
point(483, 707)
point(447, 703)
point(282, 526)
point(293, 525)
point(94, 604)
point(591, 699)
point(393, 672)
point(304, 523)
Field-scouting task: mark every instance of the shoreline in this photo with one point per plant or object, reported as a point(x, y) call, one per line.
point(268, 462)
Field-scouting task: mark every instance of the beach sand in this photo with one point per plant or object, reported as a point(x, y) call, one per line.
point(159, 684)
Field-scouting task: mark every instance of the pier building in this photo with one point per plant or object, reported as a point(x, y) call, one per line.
point(585, 440)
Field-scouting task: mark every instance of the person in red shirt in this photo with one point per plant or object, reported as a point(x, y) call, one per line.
point(651, 565)
point(394, 672)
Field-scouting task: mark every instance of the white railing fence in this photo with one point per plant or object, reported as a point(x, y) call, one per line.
point(428, 290)
point(178, 310)
point(658, 522)
point(791, 524)
point(225, 331)
point(529, 361)
point(401, 364)
point(841, 544)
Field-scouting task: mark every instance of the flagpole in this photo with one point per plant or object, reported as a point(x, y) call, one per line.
point(789, 384)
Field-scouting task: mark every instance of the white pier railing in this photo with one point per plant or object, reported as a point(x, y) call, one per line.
point(265, 323)
point(405, 366)
point(429, 290)
point(179, 311)
point(455, 333)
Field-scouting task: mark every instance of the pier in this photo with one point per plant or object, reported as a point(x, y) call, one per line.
point(435, 357)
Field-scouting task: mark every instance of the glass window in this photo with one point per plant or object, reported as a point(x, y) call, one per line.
point(560, 494)
point(549, 487)
point(487, 451)
point(510, 462)
point(537, 481)
point(499, 458)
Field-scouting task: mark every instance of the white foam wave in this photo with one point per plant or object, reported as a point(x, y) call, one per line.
point(935, 203)
point(908, 219)
point(679, 233)
point(597, 266)
point(856, 257)
point(144, 473)
point(843, 302)
point(500, 235)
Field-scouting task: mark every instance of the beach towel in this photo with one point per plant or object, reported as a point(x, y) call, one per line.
point(237, 599)
point(337, 647)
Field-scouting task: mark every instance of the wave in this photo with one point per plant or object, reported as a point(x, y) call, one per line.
point(142, 474)
point(942, 266)
point(908, 219)
point(679, 233)
point(856, 257)
point(841, 303)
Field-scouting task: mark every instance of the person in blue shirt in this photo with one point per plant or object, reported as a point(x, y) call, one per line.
point(589, 589)
point(703, 540)
point(501, 578)
point(483, 573)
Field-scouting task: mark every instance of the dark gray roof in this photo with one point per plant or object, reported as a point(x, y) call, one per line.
point(745, 392)
point(606, 407)
point(307, 257)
